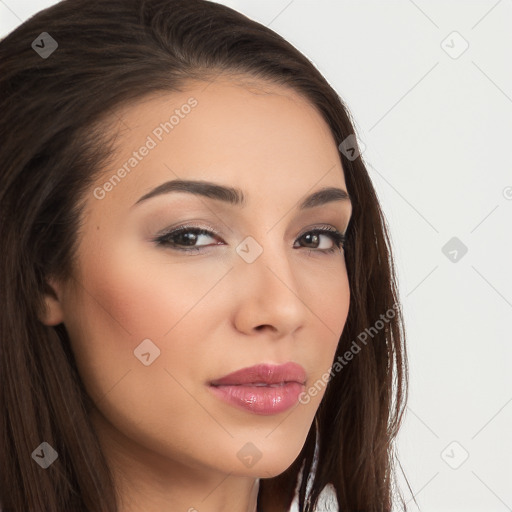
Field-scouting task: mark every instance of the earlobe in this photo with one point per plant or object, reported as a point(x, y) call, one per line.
point(53, 314)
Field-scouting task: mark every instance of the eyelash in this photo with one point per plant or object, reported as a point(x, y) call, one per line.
point(164, 240)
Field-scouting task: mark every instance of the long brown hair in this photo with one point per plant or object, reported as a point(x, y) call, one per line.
point(55, 113)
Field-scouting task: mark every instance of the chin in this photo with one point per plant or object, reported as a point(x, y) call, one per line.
point(274, 470)
point(273, 460)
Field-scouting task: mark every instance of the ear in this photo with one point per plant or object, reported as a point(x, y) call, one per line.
point(53, 314)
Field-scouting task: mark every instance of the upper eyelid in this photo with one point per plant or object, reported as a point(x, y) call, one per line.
point(186, 227)
point(323, 228)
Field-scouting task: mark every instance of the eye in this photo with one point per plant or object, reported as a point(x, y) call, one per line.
point(313, 237)
point(187, 238)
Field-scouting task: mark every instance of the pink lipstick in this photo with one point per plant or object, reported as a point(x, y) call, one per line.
point(262, 389)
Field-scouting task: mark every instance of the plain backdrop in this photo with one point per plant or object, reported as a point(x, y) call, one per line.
point(429, 84)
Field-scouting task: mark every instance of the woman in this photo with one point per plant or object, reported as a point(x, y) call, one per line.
point(200, 307)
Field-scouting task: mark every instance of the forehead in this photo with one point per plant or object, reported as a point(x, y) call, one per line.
point(257, 135)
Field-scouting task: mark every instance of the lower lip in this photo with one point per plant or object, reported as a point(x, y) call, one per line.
point(265, 400)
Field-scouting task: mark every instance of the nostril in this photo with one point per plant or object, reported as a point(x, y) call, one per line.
point(265, 326)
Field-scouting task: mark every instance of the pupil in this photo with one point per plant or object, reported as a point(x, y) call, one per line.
point(188, 237)
point(314, 236)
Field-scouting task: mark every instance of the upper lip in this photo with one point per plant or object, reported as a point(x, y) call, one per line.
point(265, 374)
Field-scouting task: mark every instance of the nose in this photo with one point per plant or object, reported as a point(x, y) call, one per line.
point(267, 295)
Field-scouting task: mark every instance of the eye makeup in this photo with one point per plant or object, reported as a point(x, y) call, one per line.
point(179, 239)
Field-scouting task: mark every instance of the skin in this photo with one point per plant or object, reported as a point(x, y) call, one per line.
point(171, 444)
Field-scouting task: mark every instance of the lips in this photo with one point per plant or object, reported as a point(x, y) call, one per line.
point(262, 389)
point(264, 375)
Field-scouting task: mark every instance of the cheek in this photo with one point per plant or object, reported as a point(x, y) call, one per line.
point(329, 301)
point(334, 301)
point(328, 298)
point(128, 299)
point(148, 293)
point(125, 302)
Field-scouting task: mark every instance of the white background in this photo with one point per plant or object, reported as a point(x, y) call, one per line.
point(438, 132)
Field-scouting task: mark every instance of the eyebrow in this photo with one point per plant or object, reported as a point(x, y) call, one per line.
point(235, 196)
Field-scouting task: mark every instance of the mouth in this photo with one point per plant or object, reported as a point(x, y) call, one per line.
point(262, 389)
point(264, 375)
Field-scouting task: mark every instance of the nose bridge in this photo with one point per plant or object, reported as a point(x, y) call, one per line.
point(270, 293)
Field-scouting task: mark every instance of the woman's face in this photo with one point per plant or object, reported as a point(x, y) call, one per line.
point(152, 325)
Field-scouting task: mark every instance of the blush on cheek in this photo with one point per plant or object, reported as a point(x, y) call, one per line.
point(147, 300)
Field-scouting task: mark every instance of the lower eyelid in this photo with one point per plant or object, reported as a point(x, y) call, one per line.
point(337, 237)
